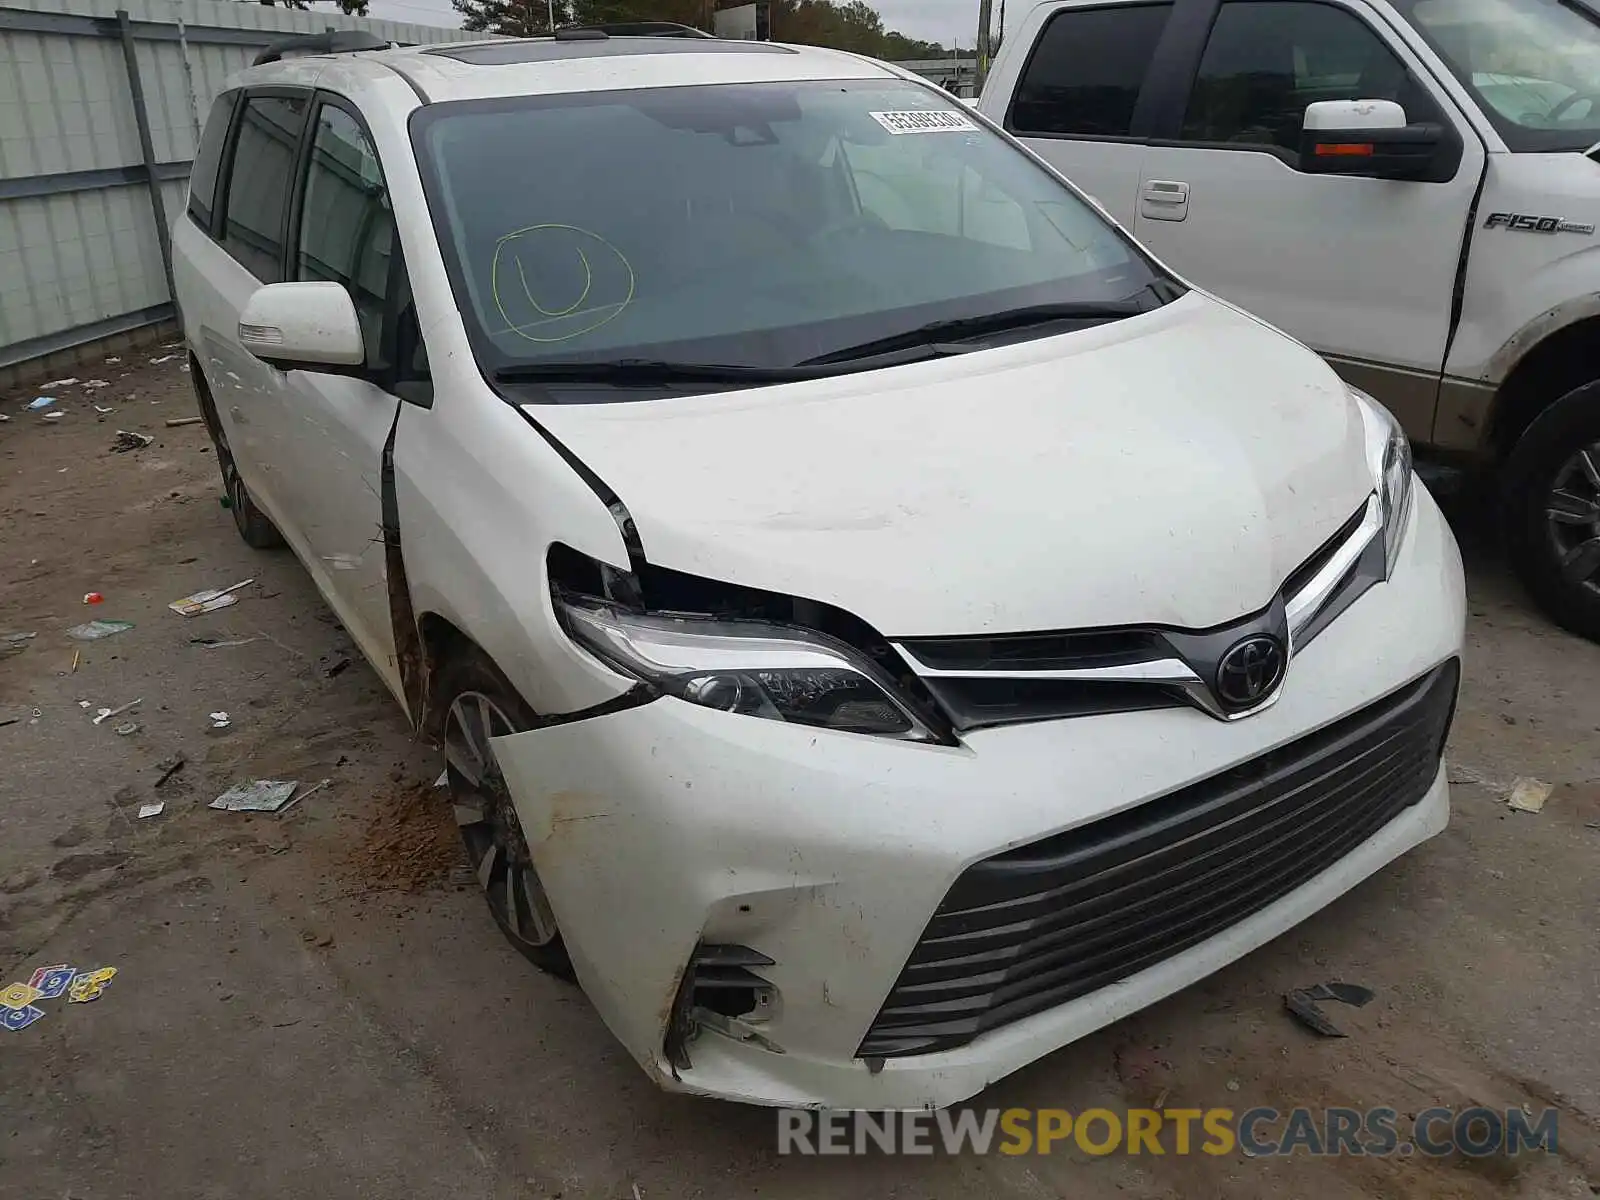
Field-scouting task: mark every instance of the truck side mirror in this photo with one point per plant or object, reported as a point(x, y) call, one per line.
point(1366, 137)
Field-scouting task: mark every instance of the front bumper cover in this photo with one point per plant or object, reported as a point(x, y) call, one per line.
point(665, 826)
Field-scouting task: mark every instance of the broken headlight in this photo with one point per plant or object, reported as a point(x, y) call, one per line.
point(777, 672)
point(1389, 457)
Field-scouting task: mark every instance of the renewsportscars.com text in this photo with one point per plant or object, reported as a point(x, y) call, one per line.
point(1259, 1132)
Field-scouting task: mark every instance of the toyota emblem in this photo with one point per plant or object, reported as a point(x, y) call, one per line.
point(1250, 670)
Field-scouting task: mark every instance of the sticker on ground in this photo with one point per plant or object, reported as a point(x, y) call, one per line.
point(18, 1019)
point(51, 982)
point(924, 121)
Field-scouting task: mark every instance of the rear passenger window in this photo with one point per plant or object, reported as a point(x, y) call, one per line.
point(208, 160)
point(258, 185)
point(347, 231)
point(1086, 72)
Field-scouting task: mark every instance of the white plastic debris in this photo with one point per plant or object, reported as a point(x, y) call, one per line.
point(151, 810)
point(102, 410)
point(125, 441)
point(95, 383)
point(105, 714)
point(220, 720)
point(156, 362)
point(55, 383)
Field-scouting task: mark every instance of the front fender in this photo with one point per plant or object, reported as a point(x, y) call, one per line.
point(481, 496)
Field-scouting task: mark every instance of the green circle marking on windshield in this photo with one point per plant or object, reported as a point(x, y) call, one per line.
point(538, 268)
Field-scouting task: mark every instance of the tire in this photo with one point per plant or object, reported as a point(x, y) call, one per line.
point(254, 526)
point(476, 696)
point(1553, 510)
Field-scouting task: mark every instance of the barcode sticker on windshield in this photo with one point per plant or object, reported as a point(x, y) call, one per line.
point(924, 121)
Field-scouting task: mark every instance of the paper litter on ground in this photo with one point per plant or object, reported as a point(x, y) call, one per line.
point(261, 795)
point(1529, 794)
point(93, 631)
point(209, 600)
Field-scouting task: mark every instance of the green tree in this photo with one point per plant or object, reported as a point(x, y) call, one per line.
point(514, 18)
point(355, 8)
point(682, 12)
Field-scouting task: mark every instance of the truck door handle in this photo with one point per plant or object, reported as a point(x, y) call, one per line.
point(1164, 200)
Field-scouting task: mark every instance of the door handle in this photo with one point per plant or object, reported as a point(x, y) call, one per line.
point(1164, 200)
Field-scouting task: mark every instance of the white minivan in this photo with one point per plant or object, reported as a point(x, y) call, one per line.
point(1410, 187)
point(881, 624)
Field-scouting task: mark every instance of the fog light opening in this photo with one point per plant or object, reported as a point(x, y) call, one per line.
point(720, 993)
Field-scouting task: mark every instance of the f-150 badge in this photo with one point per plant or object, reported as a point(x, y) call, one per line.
point(1531, 224)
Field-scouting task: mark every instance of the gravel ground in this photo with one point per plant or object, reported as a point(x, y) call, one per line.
point(317, 1004)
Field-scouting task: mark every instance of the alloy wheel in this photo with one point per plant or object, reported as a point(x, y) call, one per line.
point(488, 820)
point(1572, 510)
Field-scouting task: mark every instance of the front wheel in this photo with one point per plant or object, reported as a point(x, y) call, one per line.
point(1553, 510)
point(481, 706)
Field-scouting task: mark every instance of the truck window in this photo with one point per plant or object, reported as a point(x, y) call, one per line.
point(1266, 60)
point(1085, 74)
point(258, 183)
point(1535, 65)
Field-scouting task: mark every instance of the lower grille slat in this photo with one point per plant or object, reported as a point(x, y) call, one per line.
point(1046, 923)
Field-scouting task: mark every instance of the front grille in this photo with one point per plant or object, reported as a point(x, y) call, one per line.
point(1048, 922)
point(1006, 679)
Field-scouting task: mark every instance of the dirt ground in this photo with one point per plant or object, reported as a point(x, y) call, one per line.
point(318, 1004)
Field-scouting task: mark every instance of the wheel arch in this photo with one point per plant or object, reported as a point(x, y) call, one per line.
point(1563, 359)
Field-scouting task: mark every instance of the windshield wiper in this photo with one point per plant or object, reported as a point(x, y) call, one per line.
point(647, 371)
point(945, 336)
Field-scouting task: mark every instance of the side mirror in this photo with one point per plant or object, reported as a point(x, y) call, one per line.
point(304, 327)
point(1366, 137)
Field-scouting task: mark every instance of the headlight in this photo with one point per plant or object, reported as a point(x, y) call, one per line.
point(1389, 457)
point(757, 670)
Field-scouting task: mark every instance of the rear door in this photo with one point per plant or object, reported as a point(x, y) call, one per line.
point(1070, 89)
point(1362, 270)
point(243, 221)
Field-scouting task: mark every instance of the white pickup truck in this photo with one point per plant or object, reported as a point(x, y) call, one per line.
point(1411, 187)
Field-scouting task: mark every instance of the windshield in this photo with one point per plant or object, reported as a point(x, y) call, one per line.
point(1533, 64)
point(756, 225)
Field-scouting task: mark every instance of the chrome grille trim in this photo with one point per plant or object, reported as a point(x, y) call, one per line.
point(1337, 579)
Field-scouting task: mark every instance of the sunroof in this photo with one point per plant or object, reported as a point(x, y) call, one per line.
point(501, 54)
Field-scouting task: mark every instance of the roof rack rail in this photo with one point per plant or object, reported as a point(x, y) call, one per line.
point(637, 29)
point(335, 41)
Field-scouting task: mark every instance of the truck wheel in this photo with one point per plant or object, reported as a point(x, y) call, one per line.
point(481, 705)
point(1553, 510)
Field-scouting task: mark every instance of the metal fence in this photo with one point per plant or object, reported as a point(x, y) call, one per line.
point(101, 105)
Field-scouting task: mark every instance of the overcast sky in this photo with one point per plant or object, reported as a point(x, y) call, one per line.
point(943, 21)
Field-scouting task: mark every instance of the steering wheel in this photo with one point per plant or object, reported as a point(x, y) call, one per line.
point(1559, 110)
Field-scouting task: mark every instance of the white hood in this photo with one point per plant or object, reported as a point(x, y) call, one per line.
point(1172, 468)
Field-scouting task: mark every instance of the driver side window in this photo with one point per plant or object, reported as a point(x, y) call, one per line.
point(1266, 60)
point(347, 226)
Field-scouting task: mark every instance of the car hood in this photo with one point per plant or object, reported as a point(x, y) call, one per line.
point(1170, 468)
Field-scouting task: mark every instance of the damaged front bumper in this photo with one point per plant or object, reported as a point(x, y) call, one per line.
point(741, 897)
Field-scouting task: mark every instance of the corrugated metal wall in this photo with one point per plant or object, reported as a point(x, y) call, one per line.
point(80, 257)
